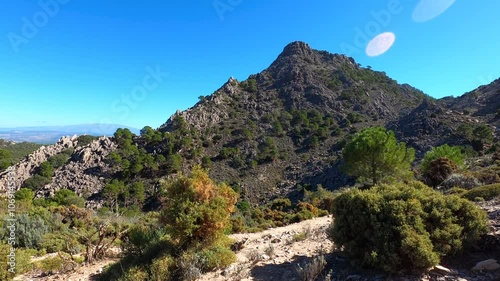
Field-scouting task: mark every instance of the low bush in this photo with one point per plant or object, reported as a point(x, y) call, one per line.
point(403, 227)
point(461, 181)
point(161, 268)
point(22, 262)
point(487, 192)
point(439, 170)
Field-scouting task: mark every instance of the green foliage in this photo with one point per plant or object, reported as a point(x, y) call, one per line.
point(43, 176)
point(375, 154)
point(453, 153)
point(84, 140)
point(482, 135)
point(228, 152)
point(161, 269)
point(321, 198)
point(22, 261)
point(60, 159)
point(197, 209)
point(141, 238)
point(24, 194)
point(5, 159)
point(46, 170)
point(66, 197)
point(404, 226)
point(249, 85)
point(54, 242)
point(354, 117)
point(30, 230)
point(268, 151)
point(487, 192)
point(151, 136)
point(216, 257)
point(174, 163)
point(206, 162)
point(11, 153)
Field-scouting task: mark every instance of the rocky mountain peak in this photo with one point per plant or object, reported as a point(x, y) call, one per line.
point(297, 48)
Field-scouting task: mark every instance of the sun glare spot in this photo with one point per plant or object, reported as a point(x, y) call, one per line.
point(380, 44)
point(426, 10)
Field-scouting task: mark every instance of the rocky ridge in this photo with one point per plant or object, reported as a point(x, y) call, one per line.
point(26, 168)
point(85, 172)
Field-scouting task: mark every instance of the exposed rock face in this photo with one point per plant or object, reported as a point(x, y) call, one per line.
point(354, 97)
point(25, 169)
point(86, 171)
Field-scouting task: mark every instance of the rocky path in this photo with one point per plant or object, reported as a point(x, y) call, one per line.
point(275, 254)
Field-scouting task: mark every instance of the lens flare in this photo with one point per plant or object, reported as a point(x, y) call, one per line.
point(380, 44)
point(429, 9)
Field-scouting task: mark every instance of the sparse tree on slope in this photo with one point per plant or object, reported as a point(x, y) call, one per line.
point(375, 154)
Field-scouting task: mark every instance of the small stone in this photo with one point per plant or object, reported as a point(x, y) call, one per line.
point(489, 265)
point(441, 269)
point(228, 270)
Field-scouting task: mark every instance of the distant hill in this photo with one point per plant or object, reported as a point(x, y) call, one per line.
point(50, 134)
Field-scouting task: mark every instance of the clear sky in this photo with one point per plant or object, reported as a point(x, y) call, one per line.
point(136, 62)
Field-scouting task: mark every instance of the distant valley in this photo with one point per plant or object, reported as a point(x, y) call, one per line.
point(50, 134)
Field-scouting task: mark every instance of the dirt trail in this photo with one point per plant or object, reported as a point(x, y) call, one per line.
point(275, 253)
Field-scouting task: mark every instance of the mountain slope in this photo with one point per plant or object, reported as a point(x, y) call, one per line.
point(283, 129)
point(483, 103)
point(285, 126)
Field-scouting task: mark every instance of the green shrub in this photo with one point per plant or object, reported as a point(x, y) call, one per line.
point(66, 197)
point(321, 198)
point(453, 153)
point(84, 140)
point(135, 274)
point(50, 265)
point(161, 269)
point(487, 192)
point(24, 194)
point(30, 230)
point(58, 160)
point(456, 191)
point(196, 208)
point(216, 257)
point(35, 182)
point(403, 226)
point(22, 262)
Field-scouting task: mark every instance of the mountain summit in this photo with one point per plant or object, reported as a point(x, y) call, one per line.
point(285, 126)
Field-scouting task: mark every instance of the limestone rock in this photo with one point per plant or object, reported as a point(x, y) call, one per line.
point(488, 265)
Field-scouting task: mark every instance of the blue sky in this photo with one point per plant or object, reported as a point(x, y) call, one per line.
point(136, 62)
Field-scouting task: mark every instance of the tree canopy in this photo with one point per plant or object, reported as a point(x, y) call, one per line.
point(374, 154)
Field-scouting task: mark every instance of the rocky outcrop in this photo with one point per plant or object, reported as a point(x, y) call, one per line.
point(26, 168)
point(86, 171)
